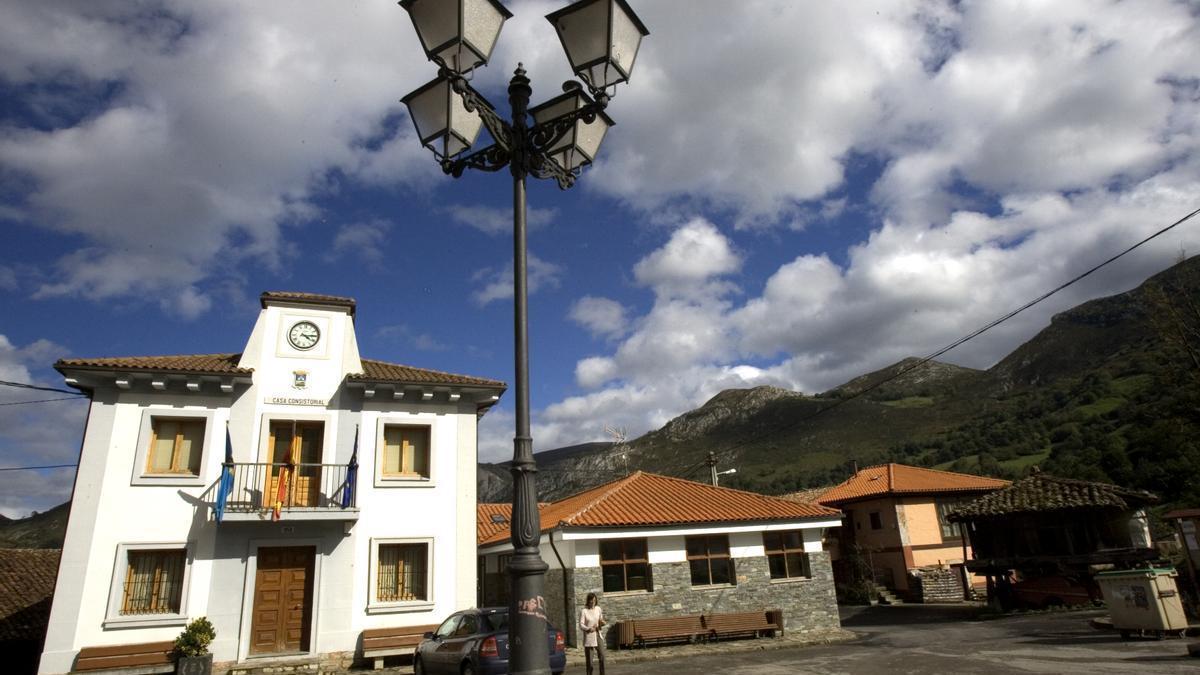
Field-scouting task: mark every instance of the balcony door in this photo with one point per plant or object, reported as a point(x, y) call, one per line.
point(296, 456)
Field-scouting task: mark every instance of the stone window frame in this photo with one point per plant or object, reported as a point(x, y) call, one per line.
point(396, 480)
point(709, 557)
point(376, 606)
point(115, 619)
point(785, 551)
point(141, 476)
point(876, 520)
point(624, 562)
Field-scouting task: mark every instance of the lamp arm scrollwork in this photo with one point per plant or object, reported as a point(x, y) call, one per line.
point(492, 158)
point(474, 101)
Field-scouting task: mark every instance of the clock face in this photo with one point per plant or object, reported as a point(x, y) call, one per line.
point(304, 335)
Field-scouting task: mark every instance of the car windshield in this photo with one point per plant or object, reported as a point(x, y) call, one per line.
point(496, 621)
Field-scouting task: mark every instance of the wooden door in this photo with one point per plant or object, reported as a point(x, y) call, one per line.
point(301, 443)
point(283, 595)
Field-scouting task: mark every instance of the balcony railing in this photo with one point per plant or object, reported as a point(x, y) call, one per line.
point(261, 491)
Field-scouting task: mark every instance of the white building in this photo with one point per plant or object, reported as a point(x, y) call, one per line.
point(295, 494)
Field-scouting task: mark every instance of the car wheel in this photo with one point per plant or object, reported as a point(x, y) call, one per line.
point(467, 668)
point(418, 666)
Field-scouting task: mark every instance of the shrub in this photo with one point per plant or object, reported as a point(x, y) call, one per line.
point(195, 638)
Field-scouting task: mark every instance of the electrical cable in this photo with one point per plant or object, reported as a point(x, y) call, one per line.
point(42, 400)
point(30, 468)
point(22, 385)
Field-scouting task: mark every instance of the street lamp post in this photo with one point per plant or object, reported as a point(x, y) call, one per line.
point(601, 39)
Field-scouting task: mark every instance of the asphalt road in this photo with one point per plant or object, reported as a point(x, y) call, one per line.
point(914, 639)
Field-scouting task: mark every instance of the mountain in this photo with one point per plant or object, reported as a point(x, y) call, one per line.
point(41, 530)
point(1104, 392)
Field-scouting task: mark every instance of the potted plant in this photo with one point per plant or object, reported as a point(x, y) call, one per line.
point(191, 648)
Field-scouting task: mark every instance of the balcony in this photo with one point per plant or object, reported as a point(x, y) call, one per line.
point(262, 491)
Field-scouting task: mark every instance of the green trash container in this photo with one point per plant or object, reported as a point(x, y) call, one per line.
point(1143, 601)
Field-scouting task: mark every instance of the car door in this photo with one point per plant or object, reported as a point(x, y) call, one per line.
point(435, 657)
point(459, 646)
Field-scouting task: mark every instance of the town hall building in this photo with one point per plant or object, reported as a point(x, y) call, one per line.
point(295, 494)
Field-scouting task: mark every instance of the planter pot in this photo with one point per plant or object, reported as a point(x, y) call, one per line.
point(194, 665)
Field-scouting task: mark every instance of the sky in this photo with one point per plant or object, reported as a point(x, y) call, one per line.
point(794, 194)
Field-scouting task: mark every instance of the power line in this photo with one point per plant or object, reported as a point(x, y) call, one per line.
point(23, 385)
point(31, 468)
point(971, 336)
point(43, 400)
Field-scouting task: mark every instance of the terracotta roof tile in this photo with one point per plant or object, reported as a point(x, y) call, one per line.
point(901, 479)
point(216, 364)
point(26, 584)
point(806, 495)
point(491, 519)
point(380, 371)
point(647, 499)
point(308, 298)
point(1040, 493)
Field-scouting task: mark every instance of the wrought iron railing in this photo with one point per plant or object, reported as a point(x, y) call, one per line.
point(261, 487)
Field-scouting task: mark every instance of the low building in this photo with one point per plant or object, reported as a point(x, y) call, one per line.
point(26, 586)
point(294, 493)
point(652, 545)
point(895, 520)
point(1187, 527)
point(1043, 526)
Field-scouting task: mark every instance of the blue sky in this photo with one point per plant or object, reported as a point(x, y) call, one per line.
point(794, 194)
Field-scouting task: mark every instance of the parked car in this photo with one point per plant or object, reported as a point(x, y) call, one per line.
point(475, 642)
point(1055, 591)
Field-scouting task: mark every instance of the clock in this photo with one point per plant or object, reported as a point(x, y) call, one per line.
point(304, 335)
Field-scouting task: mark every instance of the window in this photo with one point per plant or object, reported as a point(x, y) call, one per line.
point(624, 565)
point(153, 582)
point(405, 451)
point(708, 558)
point(785, 555)
point(403, 573)
point(876, 521)
point(949, 530)
point(149, 586)
point(176, 444)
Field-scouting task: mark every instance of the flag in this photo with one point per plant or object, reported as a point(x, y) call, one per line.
point(351, 474)
point(225, 485)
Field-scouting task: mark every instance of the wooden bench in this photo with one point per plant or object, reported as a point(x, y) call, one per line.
point(380, 642)
point(744, 623)
point(147, 657)
point(637, 632)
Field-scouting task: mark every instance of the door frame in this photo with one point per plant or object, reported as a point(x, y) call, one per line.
point(244, 637)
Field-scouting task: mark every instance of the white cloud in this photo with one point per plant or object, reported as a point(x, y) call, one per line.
point(412, 338)
point(696, 252)
point(216, 124)
point(498, 284)
point(364, 241)
point(496, 221)
point(906, 291)
point(36, 434)
point(600, 316)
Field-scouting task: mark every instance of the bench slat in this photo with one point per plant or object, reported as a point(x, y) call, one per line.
point(397, 641)
point(406, 630)
point(142, 648)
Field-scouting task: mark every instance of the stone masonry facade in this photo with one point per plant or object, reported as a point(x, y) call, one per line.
point(936, 584)
point(808, 604)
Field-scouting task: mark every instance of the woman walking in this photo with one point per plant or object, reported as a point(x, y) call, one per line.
point(591, 618)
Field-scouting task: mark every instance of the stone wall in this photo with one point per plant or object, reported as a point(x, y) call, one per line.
point(807, 604)
point(556, 609)
point(936, 584)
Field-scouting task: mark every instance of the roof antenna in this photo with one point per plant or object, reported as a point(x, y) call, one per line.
point(618, 436)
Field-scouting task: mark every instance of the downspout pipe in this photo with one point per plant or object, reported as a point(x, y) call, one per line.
point(567, 613)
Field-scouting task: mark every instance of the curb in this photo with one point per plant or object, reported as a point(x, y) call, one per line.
point(575, 654)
